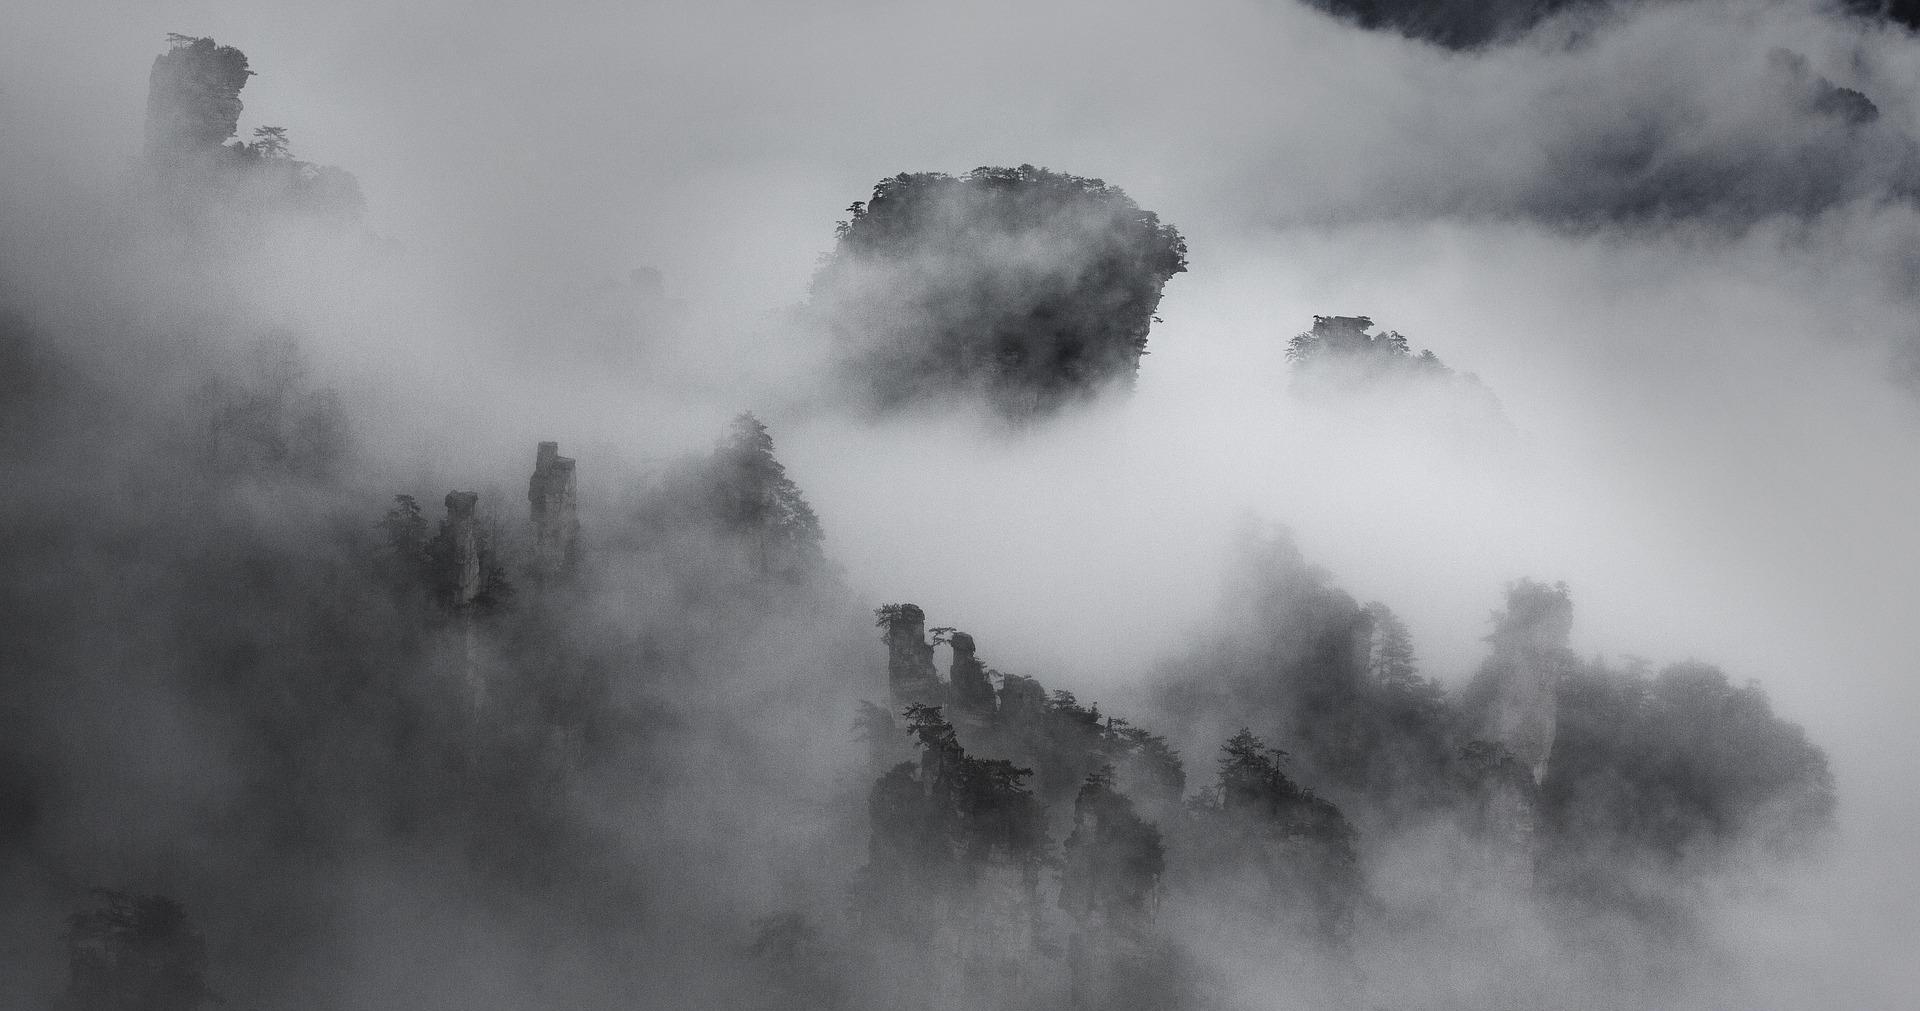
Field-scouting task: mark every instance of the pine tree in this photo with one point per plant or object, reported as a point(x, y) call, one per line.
point(754, 499)
point(1392, 662)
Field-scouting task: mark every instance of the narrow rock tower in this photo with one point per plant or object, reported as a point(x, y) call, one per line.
point(463, 530)
point(968, 677)
point(463, 535)
point(1530, 657)
point(554, 500)
point(910, 676)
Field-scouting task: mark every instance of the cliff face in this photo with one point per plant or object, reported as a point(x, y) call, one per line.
point(193, 97)
point(554, 500)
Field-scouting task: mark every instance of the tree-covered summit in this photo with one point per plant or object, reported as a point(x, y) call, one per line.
point(1023, 287)
point(1343, 342)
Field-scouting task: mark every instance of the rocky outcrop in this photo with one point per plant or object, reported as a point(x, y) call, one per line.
point(554, 500)
point(910, 676)
point(1022, 288)
point(463, 535)
point(193, 97)
point(1530, 657)
point(967, 676)
point(193, 108)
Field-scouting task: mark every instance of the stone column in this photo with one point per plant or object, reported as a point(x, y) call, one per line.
point(910, 676)
point(464, 531)
point(554, 500)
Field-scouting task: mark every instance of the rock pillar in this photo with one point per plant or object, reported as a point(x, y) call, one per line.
point(463, 530)
point(554, 501)
point(910, 676)
point(968, 676)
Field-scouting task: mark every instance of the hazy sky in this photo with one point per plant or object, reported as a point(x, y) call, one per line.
point(1683, 284)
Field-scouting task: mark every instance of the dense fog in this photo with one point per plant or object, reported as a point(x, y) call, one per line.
point(1392, 505)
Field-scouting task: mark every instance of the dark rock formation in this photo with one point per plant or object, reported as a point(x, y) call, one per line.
point(972, 690)
point(553, 497)
point(1022, 287)
point(193, 97)
point(463, 536)
point(193, 107)
point(910, 676)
